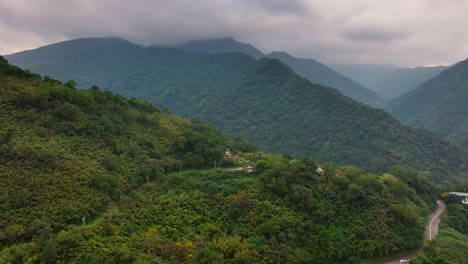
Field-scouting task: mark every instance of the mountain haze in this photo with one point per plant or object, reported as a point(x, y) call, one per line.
point(387, 80)
point(261, 101)
point(365, 74)
point(221, 45)
point(403, 80)
point(319, 73)
point(439, 104)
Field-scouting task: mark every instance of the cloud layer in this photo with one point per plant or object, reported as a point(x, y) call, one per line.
point(409, 33)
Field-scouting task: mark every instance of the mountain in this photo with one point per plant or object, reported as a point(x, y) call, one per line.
point(389, 81)
point(220, 45)
point(263, 102)
point(98, 52)
point(319, 73)
point(365, 74)
point(403, 80)
point(88, 176)
point(65, 153)
point(311, 69)
point(439, 105)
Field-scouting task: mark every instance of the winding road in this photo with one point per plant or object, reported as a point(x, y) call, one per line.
point(432, 229)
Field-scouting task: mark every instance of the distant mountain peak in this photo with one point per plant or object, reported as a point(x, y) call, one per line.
point(97, 39)
point(216, 45)
point(221, 39)
point(320, 73)
point(280, 54)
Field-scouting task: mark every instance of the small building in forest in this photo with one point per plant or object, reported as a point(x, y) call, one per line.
point(320, 171)
point(463, 195)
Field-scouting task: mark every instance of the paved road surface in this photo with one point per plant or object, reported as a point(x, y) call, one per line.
point(432, 229)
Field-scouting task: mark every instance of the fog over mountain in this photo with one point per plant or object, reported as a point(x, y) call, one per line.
point(388, 81)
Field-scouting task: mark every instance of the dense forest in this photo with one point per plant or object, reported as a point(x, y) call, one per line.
point(438, 105)
point(319, 73)
point(89, 176)
point(66, 153)
point(310, 69)
point(451, 243)
point(260, 101)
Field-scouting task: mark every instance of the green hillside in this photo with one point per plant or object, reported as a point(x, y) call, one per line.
point(66, 153)
point(452, 241)
point(313, 70)
point(439, 105)
point(91, 177)
point(317, 72)
point(260, 101)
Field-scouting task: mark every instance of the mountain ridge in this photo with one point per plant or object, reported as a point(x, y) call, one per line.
point(322, 74)
point(309, 68)
point(438, 105)
point(216, 45)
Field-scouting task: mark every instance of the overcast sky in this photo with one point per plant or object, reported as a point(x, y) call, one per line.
point(401, 32)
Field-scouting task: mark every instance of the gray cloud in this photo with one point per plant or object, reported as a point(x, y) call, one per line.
point(373, 35)
point(402, 32)
point(277, 6)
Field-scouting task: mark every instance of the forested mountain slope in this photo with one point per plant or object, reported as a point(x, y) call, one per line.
point(66, 153)
point(265, 102)
point(311, 69)
point(88, 61)
point(91, 177)
point(439, 105)
point(452, 241)
point(319, 73)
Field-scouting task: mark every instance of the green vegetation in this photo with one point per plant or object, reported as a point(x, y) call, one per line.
point(66, 154)
point(260, 101)
point(91, 177)
point(452, 241)
point(319, 73)
point(282, 213)
point(311, 69)
point(438, 105)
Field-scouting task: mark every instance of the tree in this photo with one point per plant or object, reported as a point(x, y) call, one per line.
point(49, 255)
point(70, 84)
point(68, 112)
point(13, 233)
